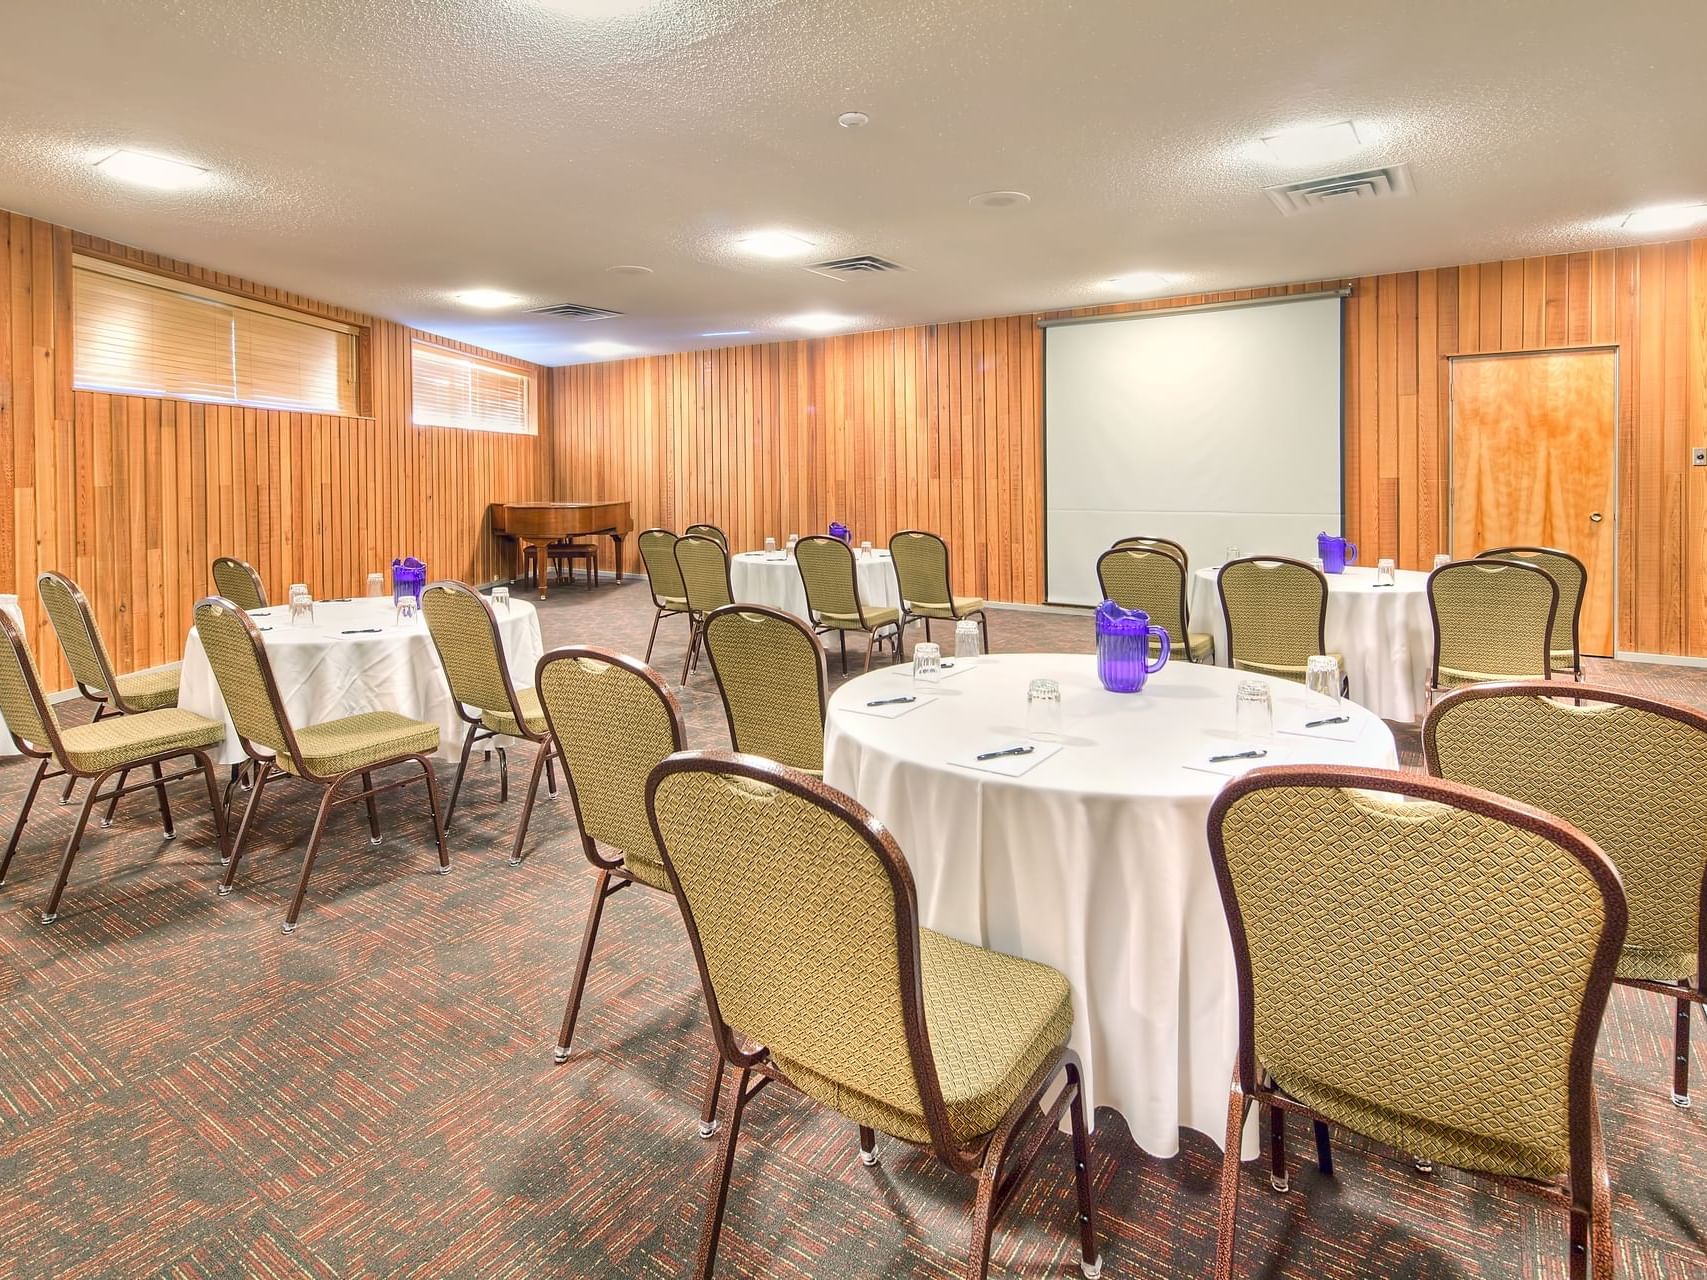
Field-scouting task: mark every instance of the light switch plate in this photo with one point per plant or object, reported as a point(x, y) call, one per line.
point(1698, 457)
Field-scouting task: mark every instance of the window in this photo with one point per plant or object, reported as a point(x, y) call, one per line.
point(457, 390)
point(151, 335)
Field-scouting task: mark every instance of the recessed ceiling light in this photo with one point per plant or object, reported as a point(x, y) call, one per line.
point(143, 170)
point(1136, 282)
point(999, 199)
point(727, 333)
point(853, 119)
point(628, 269)
point(598, 8)
point(1313, 145)
point(487, 299)
point(818, 321)
point(604, 350)
point(1666, 217)
point(775, 244)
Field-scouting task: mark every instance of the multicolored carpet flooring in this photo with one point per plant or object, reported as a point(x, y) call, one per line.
point(186, 1092)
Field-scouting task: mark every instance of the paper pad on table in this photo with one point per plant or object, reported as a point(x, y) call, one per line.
point(1007, 766)
point(890, 710)
point(951, 667)
point(1294, 722)
point(1202, 763)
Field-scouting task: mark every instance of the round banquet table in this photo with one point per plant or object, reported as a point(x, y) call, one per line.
point(323, 673)
point(756, 580)
point(9, 605)
point(1384, 633)
point(1095, 861)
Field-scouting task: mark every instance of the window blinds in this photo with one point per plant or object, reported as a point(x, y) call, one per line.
point(456, 390)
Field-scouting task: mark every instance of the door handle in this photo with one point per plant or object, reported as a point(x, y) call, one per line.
point(1594, 517)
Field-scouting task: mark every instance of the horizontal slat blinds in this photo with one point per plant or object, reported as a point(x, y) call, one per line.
point(153, 336)
point(456, 390)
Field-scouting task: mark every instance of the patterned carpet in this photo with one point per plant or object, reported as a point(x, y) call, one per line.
point(186, 1092)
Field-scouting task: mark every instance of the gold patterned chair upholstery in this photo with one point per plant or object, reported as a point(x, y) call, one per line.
point(471, 651)
point(1276, 613)
point(238, 582)
point(1570, 575)
point(1627, 770)
point(97, 751)
point(327, 755)
point(770, 671)
point(833, 603)
point(664, 579)
point(704, 567)
point(708, 531)
point(1153, 579)
point(1156, 544)
point(921, 571)
point(818, 976)
point(1493, 620)
point(1425, 964)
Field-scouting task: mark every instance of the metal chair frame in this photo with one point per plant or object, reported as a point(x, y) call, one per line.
point(908, 617)
point(814, 613)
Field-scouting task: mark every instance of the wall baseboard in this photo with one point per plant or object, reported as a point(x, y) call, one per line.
point(1665, 659)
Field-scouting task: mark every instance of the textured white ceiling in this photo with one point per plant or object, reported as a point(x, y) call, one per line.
point(382, 154)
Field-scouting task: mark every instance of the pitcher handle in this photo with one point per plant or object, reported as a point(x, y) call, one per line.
point(1162, 658)
point(1351, 553)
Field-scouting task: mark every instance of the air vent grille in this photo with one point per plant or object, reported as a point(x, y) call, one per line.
point(1344, 188)
point(864, 264)
point(575, 311)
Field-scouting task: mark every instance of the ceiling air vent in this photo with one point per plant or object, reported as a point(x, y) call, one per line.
point(1344, 188)
point(575, 311)
point(866, 264)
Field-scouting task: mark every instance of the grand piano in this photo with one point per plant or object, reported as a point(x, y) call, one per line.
point(539, 524)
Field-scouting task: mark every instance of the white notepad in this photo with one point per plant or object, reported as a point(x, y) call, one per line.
point(1006, 766)
point(891, 710)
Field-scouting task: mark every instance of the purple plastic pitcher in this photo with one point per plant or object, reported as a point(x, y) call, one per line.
point(1123, 648)
point(1336, 553)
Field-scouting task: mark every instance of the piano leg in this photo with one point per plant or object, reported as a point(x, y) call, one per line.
point(616, 541)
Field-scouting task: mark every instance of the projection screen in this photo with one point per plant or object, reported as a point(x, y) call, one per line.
point(1215, 427)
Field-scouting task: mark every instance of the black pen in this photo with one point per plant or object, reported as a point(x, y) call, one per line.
point(889, 702)
point(1007, 751)
point(362, 631)
point(1239, 755)
point(1316, 724)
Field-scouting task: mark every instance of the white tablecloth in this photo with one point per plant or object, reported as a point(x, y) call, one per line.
point(10, 605)
point(756, 580)
point(323, 674)
point(1096, 861)
point(1384, 632)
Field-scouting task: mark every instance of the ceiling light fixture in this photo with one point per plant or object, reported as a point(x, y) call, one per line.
point(853, 119)
point(628, 269)
point(487, 299)
point(597, 9)
point(143, 170)
point(1666, 217)
point(604, 350)
point(818, 321)
point(1314, 145)
point(1137, 282)
point(775, 244)
point(999, 199)
point(727, 333)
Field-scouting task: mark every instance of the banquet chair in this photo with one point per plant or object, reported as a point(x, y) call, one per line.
point(1493, 620)
point(1156, 544)
point(612, 719)
point(1424, 964)
point(238, 582)
point(704, 567)
point(709, 531)
point(1154, 580)
point(1570, 575)
point(921, 570)
point(664, 579)
point(1629, 772)
point(818, 977)
point(770, 671)
point(471, 650)
point(326, 755)
point(1276, 614)
point(831, 579)
point(96, 751)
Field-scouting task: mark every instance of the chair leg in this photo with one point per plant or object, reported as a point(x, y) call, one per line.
point(1324, 1149)
point(657, 617)
point(113, 804)
point(1084, 1171)
point(1680, 1069)
point(540, 757)
point(713, 1227)
point(215, 803)
point(550, 750)
point(867, 1146)
point(693, 649)
point(50, 912)
point(1602, 1259)
point(870, 644)
point(166, 827)
point(503, 775)
point(1238, 1105)
point(373, 835)
point(983, 1213)
point(461, 768)
point(433, 808)
point(844, 639)
point(708, 1125)
point(313, 850)
point(1277, 1149)
point(23, 816)
point(984, 633)
point(249, 811)
point(589, 935)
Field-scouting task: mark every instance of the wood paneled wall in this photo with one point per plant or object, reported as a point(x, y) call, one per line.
point(133, 496)
point(939, 427)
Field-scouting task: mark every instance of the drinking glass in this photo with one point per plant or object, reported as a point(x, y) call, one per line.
point(968, 640)
point(1383, 573)
point(301, 608)
point(865, 552)
point(770, 549)
point(1441, 559)
point(1322, 675)
point(376, 584)
point(1232, 554)
point(297, 589)
point(501, 598)
point(1043, 710)
point(1253, 711)
point(405, 610)
point(1319, 563)
point(927, 663)
point(792, 539)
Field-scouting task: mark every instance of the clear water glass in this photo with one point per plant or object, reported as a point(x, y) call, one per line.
point(770, 549)
point(968, 640)
point(376, 585)
point(1322, 675)
point(927, 663)
point(405, 610)
point(865, 551)
point(298, 589)
point(1441, 559)
point(501, 598)
point(1232, 554)
point(792, 539)
point(1384, 573)
point(1043, 710)
point(1253, 711)
point(301, 608)
point(1319, 563)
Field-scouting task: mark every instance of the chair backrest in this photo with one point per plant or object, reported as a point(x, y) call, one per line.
point(828, 573)
point(663, 574)
point(1147, 578)
point(245, 677)
point(238, 582)
point(1630, 771)
point(1440, 951)
point(770, 670)
point(1158, 544)
point(613, 719)
point(1276, 612)
point(465, 633)
point(28, 715)
point(704, 566)
point(708, 531)
point(79, 638)
point(921, 568)
point(1493, 620)
point(1569, 574)
point(803, 919)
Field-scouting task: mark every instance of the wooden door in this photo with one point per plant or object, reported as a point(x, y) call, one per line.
point(1533, 439)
